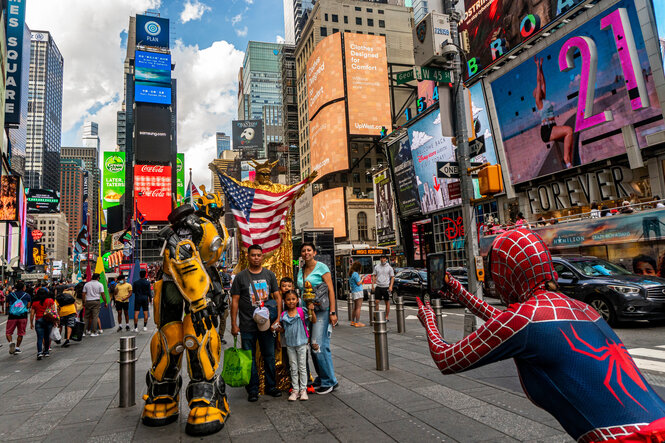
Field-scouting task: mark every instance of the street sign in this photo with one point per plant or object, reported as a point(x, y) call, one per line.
point(405, 77)
point(450, 169)
point(477, 146)
point(438, 75)
point(454, 190)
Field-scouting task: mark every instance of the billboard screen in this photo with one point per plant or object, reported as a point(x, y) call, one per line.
point(152, 77)
point(9, 185)
point(367, 83)
point(42, 201)
point(327, 137)
point(247, 171)
point(113, 179)
point(248, 135)
point(15, 27)
point(329, 211)
point(499, 26)
point(180, 176)
point(659, 13)
point(152, 191)
point(560, 109)
point(153, 133)
point(385, 211)
point(325, 77)
point(152, 31)
point(405, 177)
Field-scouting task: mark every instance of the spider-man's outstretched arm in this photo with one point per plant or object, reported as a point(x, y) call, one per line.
point(455, 291)
point(499, 338)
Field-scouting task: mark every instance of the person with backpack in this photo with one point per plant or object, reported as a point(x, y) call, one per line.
point(43, 316)
point(67, 310)
point(296, 336)
point(19, 303)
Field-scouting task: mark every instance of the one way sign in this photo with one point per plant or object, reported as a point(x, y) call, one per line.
point(450, 169)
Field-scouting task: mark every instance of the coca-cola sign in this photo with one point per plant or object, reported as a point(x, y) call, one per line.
point(152, 191)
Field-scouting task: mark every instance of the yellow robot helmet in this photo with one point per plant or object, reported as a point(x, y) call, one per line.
point(209, 202)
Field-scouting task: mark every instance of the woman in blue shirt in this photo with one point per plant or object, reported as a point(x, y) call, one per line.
point(318, 273)
point(356, 293)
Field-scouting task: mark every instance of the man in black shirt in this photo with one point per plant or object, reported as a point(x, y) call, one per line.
point(142, 300)
point(251, 288)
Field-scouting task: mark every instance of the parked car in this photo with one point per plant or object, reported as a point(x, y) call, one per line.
point(410, 283)
point(611, 290)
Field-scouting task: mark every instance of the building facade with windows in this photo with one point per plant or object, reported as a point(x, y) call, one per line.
point(71, 194)
point(56, 235)
point(223, 143)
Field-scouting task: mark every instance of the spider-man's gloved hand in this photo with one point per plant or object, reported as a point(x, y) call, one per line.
point(204, 316)
point(425, 313)
point(446, 290)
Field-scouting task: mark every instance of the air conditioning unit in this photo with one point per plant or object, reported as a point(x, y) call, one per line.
point(430, 36)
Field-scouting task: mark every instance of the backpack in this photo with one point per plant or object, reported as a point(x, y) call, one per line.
point(18, 307)
point(66, 298)
point(51, 312)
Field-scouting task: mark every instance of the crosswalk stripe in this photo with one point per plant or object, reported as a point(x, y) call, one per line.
point(644, 352)
point(661, 346)
point(650, 365)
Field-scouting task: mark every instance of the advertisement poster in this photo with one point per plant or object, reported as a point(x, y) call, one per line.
point(152, 77)
point(113, 179)
point(560, 109)
point(9, 185)
point(407, 188)
point(247, 171)
point(248, 135)
point(153, 133)
point(499, 26)
point(180, 176)
point(385, 209)
point(152, 191)
point(325, 76)
point(367, 83)
point(152, 31)
point(327, 136)
point(329, 211)
point(42, 201)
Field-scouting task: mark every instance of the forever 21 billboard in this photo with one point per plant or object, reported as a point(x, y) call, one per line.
point(153, 133)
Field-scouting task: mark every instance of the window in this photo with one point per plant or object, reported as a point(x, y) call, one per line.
point(335, 30)
point(380, 11)
point(326, 17)
point(343, 178)
point(356, 177)
point(368, 178)
point(370, 10)
point(370, 33)
point(370, 22)
point(368, 162)
point(335, 18)
point(346, 19)
point(324, 31)
point(362, 226)
point(358, 8)
point(356, 191)
point(359, 21)
point(382, 23)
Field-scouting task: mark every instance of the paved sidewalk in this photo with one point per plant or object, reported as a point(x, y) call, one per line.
point(73, 395)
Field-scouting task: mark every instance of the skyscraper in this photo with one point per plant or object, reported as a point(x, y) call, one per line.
point(71, 194)
point(42, 164)
point(223, 143)
point(91, 135)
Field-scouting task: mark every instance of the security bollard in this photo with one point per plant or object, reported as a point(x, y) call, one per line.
point(399, 308)
point(127, 371)
point(349, 304)
point(381, 341)
point(438, 312)
point(371, 308)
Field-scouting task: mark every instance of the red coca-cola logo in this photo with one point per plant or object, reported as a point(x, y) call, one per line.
point(152, 169)
point(155, 193)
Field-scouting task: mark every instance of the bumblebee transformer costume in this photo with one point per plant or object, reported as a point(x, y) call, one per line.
point(190, 283)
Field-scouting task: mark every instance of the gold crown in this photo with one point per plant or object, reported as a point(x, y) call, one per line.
point(263, 167)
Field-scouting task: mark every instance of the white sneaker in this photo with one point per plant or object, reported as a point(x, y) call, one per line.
point(94, 334)
point(145, 328)
point(88, 333)
point(293, 396)
point(303, 395)
point(100, 332)
point(136, 329)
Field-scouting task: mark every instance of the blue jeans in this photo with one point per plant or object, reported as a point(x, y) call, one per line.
point(43, 329)
point(267, 345)
point(323, 360)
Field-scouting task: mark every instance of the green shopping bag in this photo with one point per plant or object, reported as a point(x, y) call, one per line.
point(237, 366)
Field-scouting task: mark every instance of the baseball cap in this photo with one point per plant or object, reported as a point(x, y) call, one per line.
point(262, 318)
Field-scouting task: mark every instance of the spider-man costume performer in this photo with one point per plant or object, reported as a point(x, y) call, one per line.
point(570, 362)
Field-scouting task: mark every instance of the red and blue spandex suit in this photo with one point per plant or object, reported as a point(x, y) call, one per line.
point(570, 362)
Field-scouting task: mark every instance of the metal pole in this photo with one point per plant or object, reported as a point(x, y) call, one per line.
point(399, 308)
point(438, 312)
point(349, 303)
point(371, 308)
point(127, 371)
point(381, 341)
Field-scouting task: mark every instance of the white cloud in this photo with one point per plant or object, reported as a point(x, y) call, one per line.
point(279, 39)
point(236, 19)
point(242, 32)
point(194, 10)
point(419, 139)
point(249, 2)
point(437, 120)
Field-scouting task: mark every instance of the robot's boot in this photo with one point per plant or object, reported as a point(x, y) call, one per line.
point(162, 399)
point(209, 407)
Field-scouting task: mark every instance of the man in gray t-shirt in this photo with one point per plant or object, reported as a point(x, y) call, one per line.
point(383, 279)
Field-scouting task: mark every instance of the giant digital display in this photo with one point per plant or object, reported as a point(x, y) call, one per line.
point(659, 14)
point(385, 209)
point(248, 135)
point(180, 176)
point(327, 138)
point(329, 211)
point(152, 31)
point(42, 201)
point(496, 27)
point(325, 77)
point(367, 86)
point(152, 77)
point(405, 177)
point(152, 191)
point(113, 179)
point(9, 185)
point(565, 106)
point(15, 27)
point(153, 133)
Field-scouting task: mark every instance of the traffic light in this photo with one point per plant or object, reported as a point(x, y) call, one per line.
point(490, 180)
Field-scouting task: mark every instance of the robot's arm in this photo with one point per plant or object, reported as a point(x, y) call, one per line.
point(478, 307)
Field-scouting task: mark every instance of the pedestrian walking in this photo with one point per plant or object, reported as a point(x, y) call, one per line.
point(19, 303)
point(43, 301)
point(318, 275)
point(296, 337)
point(383, 279)
point(356, 293)
point(3, 299)
point(67, 310)
point(250, 291)
point(122, 291)
point(142, 300)
point(92, 293)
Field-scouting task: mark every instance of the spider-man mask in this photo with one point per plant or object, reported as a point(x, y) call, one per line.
point(519, 263)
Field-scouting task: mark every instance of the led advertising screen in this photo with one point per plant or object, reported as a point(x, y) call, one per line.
point(9, 185)
point(42, 201)
point(499, 26)
point(152, 191)
point(152, 31)
point(248, 135)
point(113, 179)
point(405, 177)
point(385, 209)
point(659, 14)
point(566, 106)
point(327, 137)
point(367, 83)
point(152, 77)
point(247, 171)
point(153, 133)
point(325, 77)
point(180, 176)
point(329, 211)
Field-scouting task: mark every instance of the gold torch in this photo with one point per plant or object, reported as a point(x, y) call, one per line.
point(309, 297)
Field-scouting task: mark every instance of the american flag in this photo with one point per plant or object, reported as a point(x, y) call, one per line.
point(140, 221)
point(260, 214)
